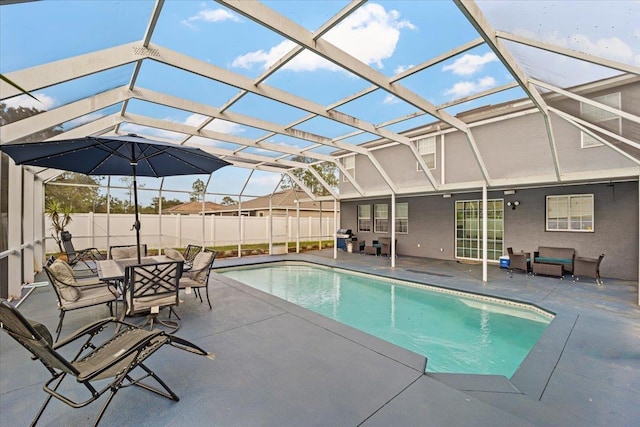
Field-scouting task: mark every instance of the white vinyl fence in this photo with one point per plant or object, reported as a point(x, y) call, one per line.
point(177, 231)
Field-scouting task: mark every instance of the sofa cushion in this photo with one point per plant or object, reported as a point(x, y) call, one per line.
point(549, 260)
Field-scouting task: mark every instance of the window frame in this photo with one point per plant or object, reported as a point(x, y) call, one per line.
point(381, 224)
point(364, 218)
point(349, 163)
point(589, 113)
point(403, 219)
point(429, 150)
point(571, 218)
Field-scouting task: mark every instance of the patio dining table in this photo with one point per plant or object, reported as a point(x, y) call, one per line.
point(113, 270)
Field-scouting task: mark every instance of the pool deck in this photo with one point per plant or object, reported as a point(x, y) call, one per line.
point(281, 365)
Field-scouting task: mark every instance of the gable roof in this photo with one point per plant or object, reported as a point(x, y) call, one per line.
point(192, 208)
point(285, 199)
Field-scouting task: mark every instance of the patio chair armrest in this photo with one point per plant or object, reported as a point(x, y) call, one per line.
point(85, 330)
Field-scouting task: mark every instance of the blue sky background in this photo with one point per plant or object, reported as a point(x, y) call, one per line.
point(390, 36)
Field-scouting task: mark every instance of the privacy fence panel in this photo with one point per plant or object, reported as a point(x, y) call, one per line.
point(178, 231)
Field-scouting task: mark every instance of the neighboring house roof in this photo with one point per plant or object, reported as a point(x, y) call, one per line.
point(285, 199)
point(192, 208)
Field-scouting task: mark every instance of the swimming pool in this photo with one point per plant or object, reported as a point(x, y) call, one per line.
point(458, 333)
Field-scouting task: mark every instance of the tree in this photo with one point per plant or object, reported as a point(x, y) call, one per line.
point(227, 201)
point(80, 198)
point(13, 114)
point(326, 170)
point(128, 182)
point(198, 191)
point(155, 205)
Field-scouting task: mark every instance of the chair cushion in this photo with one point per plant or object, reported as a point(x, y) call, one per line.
point(92, 296)
point(146, 303)
point(200, 266)
point(173, 254)
point(65, 281)
point(187, 282)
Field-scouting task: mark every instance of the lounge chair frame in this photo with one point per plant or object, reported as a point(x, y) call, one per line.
point(113, 360)
point(75, 256)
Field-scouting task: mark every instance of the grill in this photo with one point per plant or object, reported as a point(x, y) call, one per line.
point(344, 235)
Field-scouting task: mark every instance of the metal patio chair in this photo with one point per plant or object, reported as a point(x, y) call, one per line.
point(74, 293)
point(152, 287)
point(197, 277)
point(114, 360)
point(190, 253)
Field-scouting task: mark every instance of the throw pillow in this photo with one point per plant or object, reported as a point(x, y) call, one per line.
point(173, 254)
point(65, 281)
point(200, 266)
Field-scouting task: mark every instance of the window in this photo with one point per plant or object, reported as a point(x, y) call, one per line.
point(402, 218)
point(350, 165)
point(570, 213)
point(364, 217)
point(601, 117)
point(427, 149)
point(381, 218)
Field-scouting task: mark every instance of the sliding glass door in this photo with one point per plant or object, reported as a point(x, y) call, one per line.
point(469, 229)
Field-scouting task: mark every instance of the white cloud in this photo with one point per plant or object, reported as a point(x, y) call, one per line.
point(153, 133)
point(224, 126)
point(465, 88)
point(611, 48)
point(390, 99)
point(46, 102)
point(402, 68)
point(210, 15)
point(82, 120)
point(370, 34)
point(261, 57)
point(470, 64)
point(218, 125)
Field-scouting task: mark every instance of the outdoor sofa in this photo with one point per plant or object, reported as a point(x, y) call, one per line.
point(553, 261)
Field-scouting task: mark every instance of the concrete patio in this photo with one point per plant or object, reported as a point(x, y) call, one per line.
point(281, 365)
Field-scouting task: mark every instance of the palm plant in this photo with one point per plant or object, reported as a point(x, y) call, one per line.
point(60, 217)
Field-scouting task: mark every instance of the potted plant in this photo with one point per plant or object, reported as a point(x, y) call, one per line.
point(60, 217)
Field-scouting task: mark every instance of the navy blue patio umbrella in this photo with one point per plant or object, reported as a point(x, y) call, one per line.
point(127, 155)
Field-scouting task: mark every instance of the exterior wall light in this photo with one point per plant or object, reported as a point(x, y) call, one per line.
point(513, 204)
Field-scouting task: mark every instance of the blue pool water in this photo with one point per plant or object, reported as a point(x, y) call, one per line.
point(456, 333)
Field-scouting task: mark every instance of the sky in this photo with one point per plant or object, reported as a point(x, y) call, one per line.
point(389, 36)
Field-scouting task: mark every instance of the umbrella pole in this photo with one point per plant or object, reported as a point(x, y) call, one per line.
point(136, 224)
